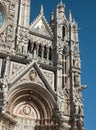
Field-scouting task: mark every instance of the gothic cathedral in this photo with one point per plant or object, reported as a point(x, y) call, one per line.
point(40, 71)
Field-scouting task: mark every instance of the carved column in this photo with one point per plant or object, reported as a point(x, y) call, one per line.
point(42, 47)
point(37, 49)
point(47, 53)
point(5, 83)
point(7, 67)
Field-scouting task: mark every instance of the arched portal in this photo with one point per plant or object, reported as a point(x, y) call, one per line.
point(31, 105)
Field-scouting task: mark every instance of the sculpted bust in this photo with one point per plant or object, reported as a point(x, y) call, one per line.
point(27, 110)
point(33, 75)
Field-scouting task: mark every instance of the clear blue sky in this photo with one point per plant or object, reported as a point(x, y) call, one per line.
point(84, 12)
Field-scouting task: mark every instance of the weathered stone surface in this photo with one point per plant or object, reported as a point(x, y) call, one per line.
point(40, 78)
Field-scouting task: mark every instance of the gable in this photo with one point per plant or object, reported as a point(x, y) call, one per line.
point(33, 73)
point(41, 27)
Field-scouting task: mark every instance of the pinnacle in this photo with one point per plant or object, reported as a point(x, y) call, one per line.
point(61, 3)
point(41, 10)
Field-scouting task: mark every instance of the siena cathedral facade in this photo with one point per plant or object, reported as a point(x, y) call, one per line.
point(40, 73)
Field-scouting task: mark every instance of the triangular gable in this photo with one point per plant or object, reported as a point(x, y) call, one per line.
point(27, 69)
point(40, 26)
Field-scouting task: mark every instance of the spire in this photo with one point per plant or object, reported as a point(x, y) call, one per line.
point(70, 16)
point(41, 10)
point(61, 3)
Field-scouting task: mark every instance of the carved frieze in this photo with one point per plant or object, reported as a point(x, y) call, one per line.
point(15, 69)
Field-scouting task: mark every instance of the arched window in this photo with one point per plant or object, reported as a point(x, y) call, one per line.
point(45, 52)
point(63, 32)
point(29, 46)
point(50, 53)
point(40, 51)
point(34, 46)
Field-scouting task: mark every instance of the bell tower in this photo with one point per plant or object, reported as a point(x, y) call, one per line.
point(68, 72)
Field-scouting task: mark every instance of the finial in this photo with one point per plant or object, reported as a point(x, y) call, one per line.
point(52, 16)
point(70, 16)
point(41, 10)
point(61, 3)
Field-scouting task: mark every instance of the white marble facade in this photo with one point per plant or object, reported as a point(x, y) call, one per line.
point(40, 74)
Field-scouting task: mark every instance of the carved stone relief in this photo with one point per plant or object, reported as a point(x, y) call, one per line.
point(77, 80)
point(25, 116)
point(15, 69)
point(10, 33)
point(78, 106)
point(60, 100)
point(2, 37)
point(66, 100)
point(22, 40)
point(50, 77)
point(6, 32)
point(33, 75)
point(41, 40)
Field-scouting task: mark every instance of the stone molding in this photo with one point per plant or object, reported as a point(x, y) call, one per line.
point(5, 15)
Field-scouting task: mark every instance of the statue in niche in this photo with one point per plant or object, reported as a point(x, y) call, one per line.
point(76, 80)
point(77, 62)
point(60, 100)
point(21, 47)
point(26, 37)
point(77, 94)
point(66, 105)
point(66, 92)
point(78, 107)
point(20, 35)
